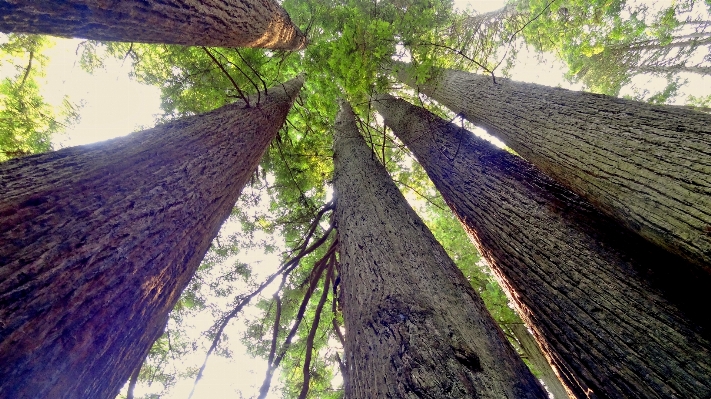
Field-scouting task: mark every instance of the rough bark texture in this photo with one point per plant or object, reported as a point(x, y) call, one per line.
point(219, 23)
point(415, 327)
point(648, 166)
point(577, 278)
point(98, 241)
point(535, 357)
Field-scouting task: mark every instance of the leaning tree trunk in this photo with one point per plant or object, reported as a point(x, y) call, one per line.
point(574, 275)
point(98, 241)
point(648, 166)
point(538, 360)
point(219, 23)
point(415, 327)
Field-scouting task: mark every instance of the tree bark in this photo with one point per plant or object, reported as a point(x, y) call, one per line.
point(662, 69)
point(648, 166)
point(535, 357)
point(98, 241)
point(578, 279)
point(218, 23)
point(415, 327)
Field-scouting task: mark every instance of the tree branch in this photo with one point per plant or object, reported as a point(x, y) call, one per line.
point(312, 332)
point(222, 68)
point(27, 71)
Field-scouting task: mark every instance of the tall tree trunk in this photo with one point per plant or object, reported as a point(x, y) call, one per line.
point(575, 276)
point(415, 327)
point(648, 166)
point(535, 357)
point(701, 70)
point(218, 23)
point(98, 241)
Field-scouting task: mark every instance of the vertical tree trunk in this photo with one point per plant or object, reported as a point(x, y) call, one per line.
point(98, 241)
point(415, 327)
point(648, 166)
point(219, 23)
point(535, 357)
point(575, 276)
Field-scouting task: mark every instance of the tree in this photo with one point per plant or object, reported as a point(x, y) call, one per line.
point(533, 354)
point(350, 42)
point(606, 44)
point(645, 165)
point(216, 23)
point(97, 242)
point(414, 326)
point(27, 121)
point(449, 232)
point(578, 280)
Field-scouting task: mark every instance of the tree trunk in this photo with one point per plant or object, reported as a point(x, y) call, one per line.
point(218, 23)
point(98, 241)
point(535, 357)
point(686, 41)
point(648, 166)
point(415, 327)
point(575, 276)
point(663, 69)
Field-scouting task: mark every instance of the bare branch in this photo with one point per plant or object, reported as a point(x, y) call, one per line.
point(222, 68)
point(312, 333)
point(287, 342)
point(27, 71)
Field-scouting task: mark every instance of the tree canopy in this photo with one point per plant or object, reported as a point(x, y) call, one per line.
point(27, 121)
point(287, 209)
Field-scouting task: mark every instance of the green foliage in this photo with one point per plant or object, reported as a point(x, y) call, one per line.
point(607, 43)
point(27, 121)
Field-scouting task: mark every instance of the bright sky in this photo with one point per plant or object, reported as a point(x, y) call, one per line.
point(114, 104)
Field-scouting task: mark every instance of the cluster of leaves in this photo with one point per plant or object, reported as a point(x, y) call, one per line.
point(27, 121)
point(606, 44)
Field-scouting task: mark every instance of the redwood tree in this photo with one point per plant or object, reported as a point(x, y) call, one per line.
point(648, 166)
point(219, 23)
point(576, 277)
point(531, 351)
point(98, 241)
point(414, 325)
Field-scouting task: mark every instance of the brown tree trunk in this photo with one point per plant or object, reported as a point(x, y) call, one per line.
point(218, 23)
point(575, 276)
point(538, 360)
point(415, 327)
point(648, 166)
point(98, 241)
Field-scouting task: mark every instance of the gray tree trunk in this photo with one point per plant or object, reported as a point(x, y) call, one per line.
point(648, 166)
point(218, 23)
point(574, 275)
point(701, 70)
point(97, 242)
point(415, 327)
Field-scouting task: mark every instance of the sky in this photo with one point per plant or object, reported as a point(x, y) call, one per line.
point(114, 104)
